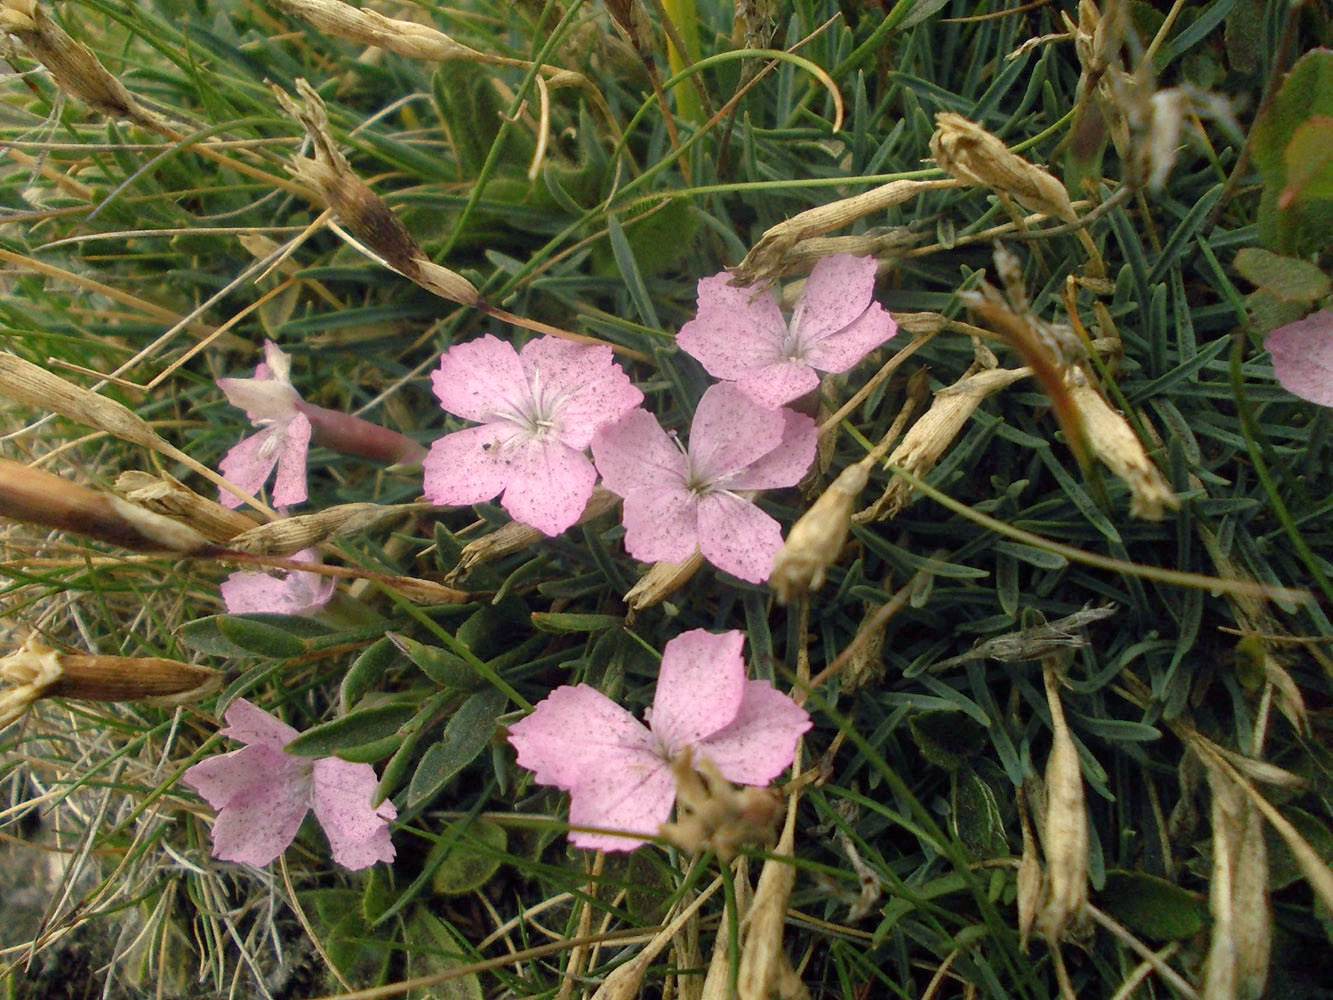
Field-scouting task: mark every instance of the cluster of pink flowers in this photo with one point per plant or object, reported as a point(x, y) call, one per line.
point(537, 412)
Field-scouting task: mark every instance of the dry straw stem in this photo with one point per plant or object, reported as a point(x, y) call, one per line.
point(1030, 878)
point(625, 982)
point(291, 534)
point(769, 257)
point(163, 494)
point(660, 582)
point(36, 497)
point(763, 958)
point(1065, 829)
point(34, 386)
point(717, 981)
point(1119, 449)
point(927, 439)
point(516, 536)
point(36, 671)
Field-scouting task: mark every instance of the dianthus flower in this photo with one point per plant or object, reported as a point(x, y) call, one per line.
point(271, 403)
point(618, 771)
point(538, 409)
point(1303, 357)
point(739, 333)
point(292, 593)
point(262, 793)
point(677, 501)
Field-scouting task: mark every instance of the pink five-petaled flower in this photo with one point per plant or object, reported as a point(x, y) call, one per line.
point(618, 771)
point(739, 333)
point(538, 409)
point(292, 593)
point(272, 404)
point(1303, 357)
point(676, 502)
point(262, 793)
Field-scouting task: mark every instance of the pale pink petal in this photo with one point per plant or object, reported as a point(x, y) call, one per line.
point(780, 382)
point(760, 743)
point(477, 377)
point(661, 523)
point(261, 399)
point(248, 593)
point(736, 329)
point(1303, 357)
point(737, 537)
point(843, 349)
point(699, 688)
point(277, 363)
point(465, 467)
point(256, 825)
point(358, 834)
point(636, 798)
point(549, 483)
point(785, 464)
point(635, 453)
point(730, 430)
point(289, 487)
point(243, 773)
point(584, 385)
point(248, 463)
point(836, 293)
point(575, 731)
point(250, 724)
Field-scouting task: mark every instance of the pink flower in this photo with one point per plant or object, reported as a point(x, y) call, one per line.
point(261, 794)
point(618, 771)
point(739, 333)
point(292, 593)
point(678, 501)
point(1303, 357)
point(284, 437)
point(538, 409)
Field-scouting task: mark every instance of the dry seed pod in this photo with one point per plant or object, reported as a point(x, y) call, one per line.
point(1065, 830)
point(292, 534)
point(660, 582)
point(866, 664)
point(516, 536)
point(970, 153)
point(1031, 881)
point(816, 539)
point(762, 953)
point(37, 671)
point(37, 497)
point(713, 814)
point(165, 495)
point(73, 66)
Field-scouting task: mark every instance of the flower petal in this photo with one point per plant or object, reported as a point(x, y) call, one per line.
point(661, 524)
point(785, 464)
point(549, 483)
point(465, 467)
point(780, 382)
point(247, 593)
point(635, 453)
point(635, 797)
point(736, 329)
point(261, 399)
point(473, 378)
point(256, 825)
point(699, 688)
point(575, 731)
point(358, 833)
point(1303, 357)
point(242, 773)
point(836, 293)
point(290, 487)
point(248, 463)
point(737, 537)
point(589, 388)
point(248, 723)
point(841, 350)
point(730, 430)
point(760, 742)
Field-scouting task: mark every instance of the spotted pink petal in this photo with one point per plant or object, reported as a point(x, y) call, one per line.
point(845, 348)
point(632, 796)
point(261, 399)
point(593, 390)
point(573, 731)
point(661, 524)
point(255, 826)
point(736, 329)
point(699, 688)
point(292, 593)
point(635, 453)
point(737, 537)
point(248, 723)
point(549, 484)
point(358, 833)
point(760, 742)
point(729, 431)
point(1303, 357)
point(837, 292)
point(786, 464)
point(466, 467)
point(476, 376)
point(289, 487)
point(780, 382)
point(248, 463)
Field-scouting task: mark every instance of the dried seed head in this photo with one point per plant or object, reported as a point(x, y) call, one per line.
point(516, 536)
point(1065, 830)
point(71, 64)
point(815, 541)
point(762, 954)
point(292, 534)
point(713, 814)
point(866, 664)
point(1031, 881)
point(970, 153)
point(1118, 447)
point(407, 38)
point(37, 497)
point(660, 582)
point(162, 494)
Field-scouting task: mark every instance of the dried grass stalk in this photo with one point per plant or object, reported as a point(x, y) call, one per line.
point(762, 955)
